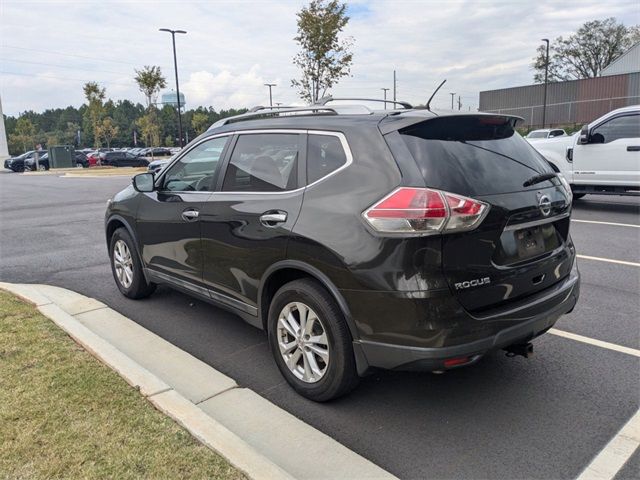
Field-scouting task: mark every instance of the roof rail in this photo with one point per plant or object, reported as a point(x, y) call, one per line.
point(260, 111)
point(327, 99)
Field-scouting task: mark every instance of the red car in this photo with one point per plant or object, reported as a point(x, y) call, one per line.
point(94, 158)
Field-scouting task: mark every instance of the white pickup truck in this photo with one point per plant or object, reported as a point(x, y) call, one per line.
point(603, 158)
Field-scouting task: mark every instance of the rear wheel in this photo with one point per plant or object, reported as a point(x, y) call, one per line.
point(310, 341)
point(126, 266)
point(42, 167)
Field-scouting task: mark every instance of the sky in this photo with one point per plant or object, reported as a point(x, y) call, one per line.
point(49, 49)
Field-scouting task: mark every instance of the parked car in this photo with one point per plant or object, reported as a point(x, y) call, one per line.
point(604, 158)
point(17, 163)
point(93, 158)
point(80, 161)
point(122, 159)
point(157, 165)
point(156, 152)
point(357, 240)
point(43, 163)
point(546, 133)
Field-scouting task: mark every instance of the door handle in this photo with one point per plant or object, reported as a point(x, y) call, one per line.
point(633, 148)
point(190, 215)
point(272, 218)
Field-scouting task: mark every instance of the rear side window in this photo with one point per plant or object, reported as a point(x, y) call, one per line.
point(263, 163)
point(325, 154)
point(474, 155)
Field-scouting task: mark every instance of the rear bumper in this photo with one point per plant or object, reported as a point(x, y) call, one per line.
point(523, 327)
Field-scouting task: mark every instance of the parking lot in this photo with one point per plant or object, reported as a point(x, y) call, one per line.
point(544, 417)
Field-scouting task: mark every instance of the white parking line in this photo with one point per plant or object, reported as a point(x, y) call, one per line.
point(597, 343)
point(606, 223)
point(609, 260)
point(615, 454)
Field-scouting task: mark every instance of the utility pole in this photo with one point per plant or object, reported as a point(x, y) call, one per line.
point(270, 97)
point(546, 73)
point(394, 86)
point(452, 95)
point(385, 97)
point(459, 103)
point(175, 66)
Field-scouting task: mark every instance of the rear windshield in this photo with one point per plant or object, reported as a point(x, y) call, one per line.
point(474, 155)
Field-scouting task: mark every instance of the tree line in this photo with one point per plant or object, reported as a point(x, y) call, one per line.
point(102, 122)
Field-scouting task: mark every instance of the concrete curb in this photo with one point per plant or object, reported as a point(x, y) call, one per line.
point(94, 172)
point(253, 434)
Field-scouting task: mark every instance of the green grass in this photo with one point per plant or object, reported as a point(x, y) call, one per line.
point(63, 414)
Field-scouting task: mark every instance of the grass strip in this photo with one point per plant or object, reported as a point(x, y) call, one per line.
point(63, 414)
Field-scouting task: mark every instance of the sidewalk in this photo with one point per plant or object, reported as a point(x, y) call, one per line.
point(256, 436)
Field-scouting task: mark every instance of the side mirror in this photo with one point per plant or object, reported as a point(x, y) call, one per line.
point(583, 139)
point(143, 182)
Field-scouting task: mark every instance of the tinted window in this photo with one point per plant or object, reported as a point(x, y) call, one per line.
point(473, 155)
point(263, 163)
point(324, 155)
point(617, 128)
point(196, 169)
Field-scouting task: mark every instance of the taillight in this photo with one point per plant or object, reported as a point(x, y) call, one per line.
point(425, 211)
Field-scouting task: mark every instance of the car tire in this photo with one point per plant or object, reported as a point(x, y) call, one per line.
point(305, 368)
point(126, 266)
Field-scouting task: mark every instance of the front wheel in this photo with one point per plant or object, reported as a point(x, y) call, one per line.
point(126, 266)
point(310, 341)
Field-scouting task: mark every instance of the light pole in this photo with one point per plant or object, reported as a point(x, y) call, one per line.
point(546, 73)
point(452, 95)
point(385, 97)
point(175, 66)
point(270, 97)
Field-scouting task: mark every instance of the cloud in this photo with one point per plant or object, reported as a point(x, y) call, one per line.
point(233, 47)
point(225, 89)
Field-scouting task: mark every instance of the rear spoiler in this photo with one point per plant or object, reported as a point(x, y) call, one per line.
point(400, 120)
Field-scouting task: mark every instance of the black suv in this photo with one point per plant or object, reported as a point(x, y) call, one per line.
point(400, 239)
point(122, 159)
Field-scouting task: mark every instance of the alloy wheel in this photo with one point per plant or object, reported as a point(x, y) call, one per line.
point(123, 263)
point(303, 343)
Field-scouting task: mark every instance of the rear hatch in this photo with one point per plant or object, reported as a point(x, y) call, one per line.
point(522, 246)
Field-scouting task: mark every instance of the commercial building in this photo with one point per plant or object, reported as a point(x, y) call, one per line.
point(575, 102)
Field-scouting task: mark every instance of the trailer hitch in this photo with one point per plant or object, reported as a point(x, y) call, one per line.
point(523, 349)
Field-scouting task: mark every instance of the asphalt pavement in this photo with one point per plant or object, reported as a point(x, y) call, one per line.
point(544, 417)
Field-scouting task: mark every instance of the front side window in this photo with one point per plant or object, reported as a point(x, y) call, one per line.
point(324, 155)
point(617, 128)
point(263, 163)
point(195, 171)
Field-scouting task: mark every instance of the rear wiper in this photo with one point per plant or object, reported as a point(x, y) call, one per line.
point(538, 179)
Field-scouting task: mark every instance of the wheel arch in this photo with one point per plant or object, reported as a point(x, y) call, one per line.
point(288, 270)
point(117, 221)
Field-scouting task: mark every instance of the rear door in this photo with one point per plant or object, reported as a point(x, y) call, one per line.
point(246, 223)
point(522, 245)
point(612, 156)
